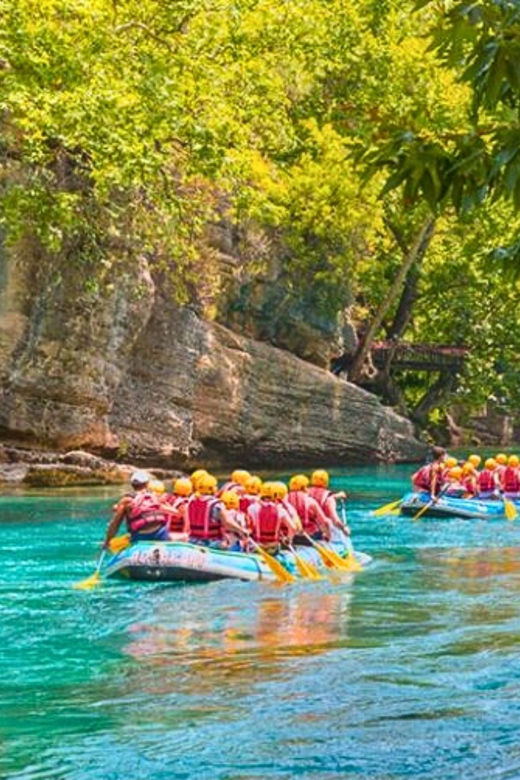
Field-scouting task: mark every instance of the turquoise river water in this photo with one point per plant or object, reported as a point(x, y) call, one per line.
point(410, 670)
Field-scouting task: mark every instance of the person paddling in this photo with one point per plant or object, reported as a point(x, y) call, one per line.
point(427, 478)
point(269, 521)
point(314, 521)
point(231, 501)
point(177, 503)
point(208, 520)
point(510, 479)
point(253, 487)
point(319, 490)
point(489, 480)
point(142, 511)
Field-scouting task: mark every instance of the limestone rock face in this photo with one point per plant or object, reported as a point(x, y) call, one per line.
point(127, 373)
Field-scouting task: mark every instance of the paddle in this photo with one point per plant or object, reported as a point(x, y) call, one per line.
point(355, 564)
point(119, 543)
point(434, 500)
point(388, 509)
point(330, 558)
point(305, 569)
point(95, 579)
point(276, 567)
point(510, 509)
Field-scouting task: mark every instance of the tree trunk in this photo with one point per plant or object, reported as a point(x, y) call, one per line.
point(410, 292)
point(409, 260)
point(440, 389)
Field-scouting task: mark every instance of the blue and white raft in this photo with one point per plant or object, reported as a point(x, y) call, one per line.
point(184, 562)
point(471, 508)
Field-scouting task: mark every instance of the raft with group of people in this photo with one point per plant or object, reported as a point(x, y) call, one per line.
point(247, 528)
point(448, 487)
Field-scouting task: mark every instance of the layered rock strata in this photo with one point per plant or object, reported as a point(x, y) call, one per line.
point(125, 373)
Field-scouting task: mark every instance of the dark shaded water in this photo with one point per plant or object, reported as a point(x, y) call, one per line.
point(411, 670)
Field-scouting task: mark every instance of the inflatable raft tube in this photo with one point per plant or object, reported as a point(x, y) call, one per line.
point(471, 508)
point(184, 562)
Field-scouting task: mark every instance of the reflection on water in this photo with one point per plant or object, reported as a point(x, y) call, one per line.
point(250, 642)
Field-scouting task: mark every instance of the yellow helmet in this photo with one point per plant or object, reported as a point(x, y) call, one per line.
point(253, 485)
point(196, 476)
point(183, 487)
point(207, 485)
point(450, 463)
point(513, 461)
point(455, 472)
point(240, 477)
point(266, 490)
point(468, 468)
point(298, 482)
point(475, 459)
point(490, 464)
point(320, 478)
point(230, 499)
point(501, 459)
point(278, 490)
point(156, 486)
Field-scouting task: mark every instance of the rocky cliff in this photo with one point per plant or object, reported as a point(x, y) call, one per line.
point(122, 371)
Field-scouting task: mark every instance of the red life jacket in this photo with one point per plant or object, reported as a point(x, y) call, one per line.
point(269, 522)
point(246, 500)
point(202, 522)
point(423, 478)
point(469, 486)
point(177, 520)
point(510, 480)
point(486, 481)
point(145, 510)
point(321, 495)
point(307, 510)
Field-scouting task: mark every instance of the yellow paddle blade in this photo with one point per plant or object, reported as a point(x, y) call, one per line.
point(510, 510)
point(119, 543)
point(91, 582)
point(306, 569)
point(331, 558)
point(388, 509)
point(276, 567)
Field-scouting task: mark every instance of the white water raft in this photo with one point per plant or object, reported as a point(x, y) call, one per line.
point(184, 562)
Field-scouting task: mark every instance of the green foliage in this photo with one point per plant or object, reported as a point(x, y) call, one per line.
point(130, 128)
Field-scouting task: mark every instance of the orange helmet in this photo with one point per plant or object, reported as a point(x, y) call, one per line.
point(513, 461)
point(266, 491)
point(320, 478)
point(196, 476)
point(240, 476)
point(475, 459)
point(230, 499)
point(207, 485)
point(501, 459)
point(450, 463)
point(253, 486)
point(298, 482)
point(490, 464)
point(183, 487)
point(156, 486)
point(468, 468)
point(455, 472)
point(278, 490)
